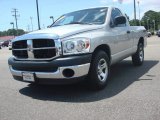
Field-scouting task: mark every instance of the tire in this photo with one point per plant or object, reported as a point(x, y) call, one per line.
point(138, 57)
point(99, 71)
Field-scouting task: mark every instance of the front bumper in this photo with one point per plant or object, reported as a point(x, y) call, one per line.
point(52, 72)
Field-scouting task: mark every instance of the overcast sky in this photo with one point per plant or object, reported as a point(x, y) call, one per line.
point(47, 8)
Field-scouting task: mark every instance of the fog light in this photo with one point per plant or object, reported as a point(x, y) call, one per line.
point(68, 73)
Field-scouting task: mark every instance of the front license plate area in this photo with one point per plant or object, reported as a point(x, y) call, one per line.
point(27, 76)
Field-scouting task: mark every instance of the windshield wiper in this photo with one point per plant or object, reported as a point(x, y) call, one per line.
point(79, 23)
point(55, 25)
point(76, 23)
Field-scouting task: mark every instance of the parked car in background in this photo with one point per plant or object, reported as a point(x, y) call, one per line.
point(158, 33)
point(10, 45)
point(5, 43)
point(0, 46)
point(149, 34)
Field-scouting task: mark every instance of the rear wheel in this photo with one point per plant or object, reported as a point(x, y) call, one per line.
point(138, 57)
point(99, 71)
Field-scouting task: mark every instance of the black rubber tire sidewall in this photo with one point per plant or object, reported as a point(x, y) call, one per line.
point(94, 81)
point(135, 58)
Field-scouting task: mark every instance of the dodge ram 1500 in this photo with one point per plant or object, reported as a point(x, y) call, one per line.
point(78, 45)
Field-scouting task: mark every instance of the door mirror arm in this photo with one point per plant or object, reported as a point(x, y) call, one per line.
point(112, 25)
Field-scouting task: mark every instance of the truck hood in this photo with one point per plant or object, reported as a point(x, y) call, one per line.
point(59, 32)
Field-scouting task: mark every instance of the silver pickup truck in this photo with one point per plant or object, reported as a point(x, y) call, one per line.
point(78, 45)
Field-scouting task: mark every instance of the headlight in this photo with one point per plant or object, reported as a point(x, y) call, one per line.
point(76, 46)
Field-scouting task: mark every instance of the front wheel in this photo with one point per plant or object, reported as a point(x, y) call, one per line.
point(99, 71)
point(138, 57)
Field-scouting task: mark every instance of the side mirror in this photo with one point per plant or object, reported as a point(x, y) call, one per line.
point(119, 20)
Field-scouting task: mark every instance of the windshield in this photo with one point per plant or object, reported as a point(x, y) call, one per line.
point(88, 16)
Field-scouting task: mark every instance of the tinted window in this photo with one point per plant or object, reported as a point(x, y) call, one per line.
point(115, 13)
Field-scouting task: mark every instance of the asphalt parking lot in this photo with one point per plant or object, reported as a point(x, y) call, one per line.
point(133, 93)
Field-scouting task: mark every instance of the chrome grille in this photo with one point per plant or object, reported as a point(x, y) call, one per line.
point(36, 49)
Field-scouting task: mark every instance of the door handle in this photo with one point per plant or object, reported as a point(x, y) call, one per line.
point(128, 32)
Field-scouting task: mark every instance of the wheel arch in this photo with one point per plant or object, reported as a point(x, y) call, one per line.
point(141, 40)
point(105, 48)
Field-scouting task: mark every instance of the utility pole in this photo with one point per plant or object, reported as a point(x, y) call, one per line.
point(139, 13)
point(15, 11)
point(28, 28)
point(31, 22)
point(135, 12)
point(154, 25)
point(38, 15)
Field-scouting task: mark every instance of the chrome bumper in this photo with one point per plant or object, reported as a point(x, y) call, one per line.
point(79, 70)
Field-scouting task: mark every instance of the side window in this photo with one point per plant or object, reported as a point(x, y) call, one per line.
point(115, 13)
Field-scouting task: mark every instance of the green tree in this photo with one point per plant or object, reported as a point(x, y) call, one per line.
point(149, 18)
point(20, 31)
point(133, 23)
point(11, 32)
